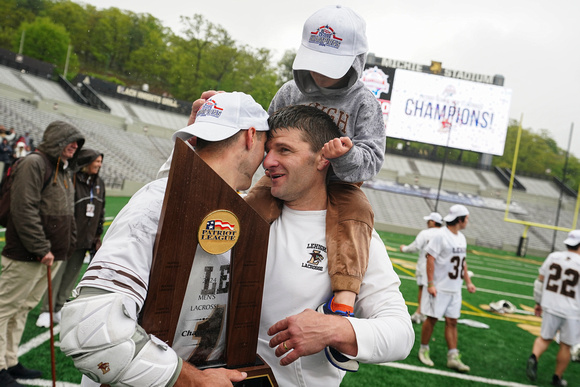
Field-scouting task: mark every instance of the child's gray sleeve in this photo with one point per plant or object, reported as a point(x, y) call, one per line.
point(366, 157)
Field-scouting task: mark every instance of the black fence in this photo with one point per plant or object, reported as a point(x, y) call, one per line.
point(136, 96)
point(26, 63)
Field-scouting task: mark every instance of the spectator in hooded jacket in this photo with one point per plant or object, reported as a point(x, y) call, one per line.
point(90, 217)
point(5, 155)
point(40, 233)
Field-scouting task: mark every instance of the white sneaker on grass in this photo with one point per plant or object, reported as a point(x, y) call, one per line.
point(416, 318)
point(43, 320)
point(454, 362)
point(425, 358)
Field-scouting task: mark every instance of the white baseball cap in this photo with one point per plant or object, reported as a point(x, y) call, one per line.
point(573, 238)
point(331, 40)
point(435, 217)
point(456, 211)
point(224, 115)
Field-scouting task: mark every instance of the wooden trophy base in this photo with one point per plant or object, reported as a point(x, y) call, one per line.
point(259, 375)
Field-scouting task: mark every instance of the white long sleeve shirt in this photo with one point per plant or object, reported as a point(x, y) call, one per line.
point(297, 278)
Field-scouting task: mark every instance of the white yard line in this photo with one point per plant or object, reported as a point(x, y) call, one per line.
point(455, 375)
point(482, 290)
point(38, 340)
point(29, 346)
point(476, 267)
point(509, 265)
point(532, 273)
point(477, 275)
point(44, 382)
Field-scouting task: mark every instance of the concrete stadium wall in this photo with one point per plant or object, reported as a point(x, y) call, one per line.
point(525, 197)
point(387, 174)
point(427, 181)
point(15, 94)
point(530, 251)
point(79, 111)
point(149, 130)
point(494, 193)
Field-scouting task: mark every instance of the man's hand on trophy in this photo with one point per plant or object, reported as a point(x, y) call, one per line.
point(193, 377)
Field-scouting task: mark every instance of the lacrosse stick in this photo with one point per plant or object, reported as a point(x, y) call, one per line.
point(52, 356)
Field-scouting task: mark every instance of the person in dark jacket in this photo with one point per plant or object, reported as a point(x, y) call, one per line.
point(5, 155)
point(90, 217)
point(40, 233)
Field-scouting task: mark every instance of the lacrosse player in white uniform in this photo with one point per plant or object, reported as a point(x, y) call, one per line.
point(434, 221)
point(557, 296)
point(446, 270)
point(99, 329)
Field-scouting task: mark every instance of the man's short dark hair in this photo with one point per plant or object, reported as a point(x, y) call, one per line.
point(573, 248)
point(456, 220)
point(316, 126)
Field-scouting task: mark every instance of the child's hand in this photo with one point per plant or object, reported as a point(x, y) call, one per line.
point(198, 103)
point(336, 147)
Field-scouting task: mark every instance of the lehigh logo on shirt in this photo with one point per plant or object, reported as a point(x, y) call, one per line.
point(315, 257)
point(219, 232)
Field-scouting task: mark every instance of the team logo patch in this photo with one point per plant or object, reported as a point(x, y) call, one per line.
point(104, 367)
point(218, 232)
point(316, 257)
point(325, 36)
point(211, 109)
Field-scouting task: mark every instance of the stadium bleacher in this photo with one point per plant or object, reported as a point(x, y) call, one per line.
point(45, 88)
point(10, 77)
point(403, 192)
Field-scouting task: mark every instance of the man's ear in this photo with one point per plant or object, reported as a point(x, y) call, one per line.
point(250, 138)
point(322, 162)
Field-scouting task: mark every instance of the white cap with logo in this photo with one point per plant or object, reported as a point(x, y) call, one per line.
point(456, 211)
point(224, 115)
point(331, 40)
point(434, 216)
point(573, 238)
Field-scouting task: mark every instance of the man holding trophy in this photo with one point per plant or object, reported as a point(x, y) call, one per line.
point(231, 131)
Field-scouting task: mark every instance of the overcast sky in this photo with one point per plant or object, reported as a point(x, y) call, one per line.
point(534, 44)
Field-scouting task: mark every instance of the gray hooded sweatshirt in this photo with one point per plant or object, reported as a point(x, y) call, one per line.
point(354, 109)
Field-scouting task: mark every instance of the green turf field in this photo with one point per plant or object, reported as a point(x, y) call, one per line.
point(497, 356)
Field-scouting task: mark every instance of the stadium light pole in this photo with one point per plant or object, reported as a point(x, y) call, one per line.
point(562, 188)
point(21, 42)
point(66, 61)
point(442, 168)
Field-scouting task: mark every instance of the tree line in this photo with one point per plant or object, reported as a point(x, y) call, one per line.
point(135, 48)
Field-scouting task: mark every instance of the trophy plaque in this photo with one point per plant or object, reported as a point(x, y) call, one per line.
point(197, 203)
